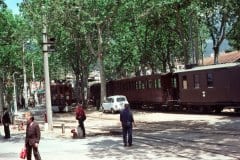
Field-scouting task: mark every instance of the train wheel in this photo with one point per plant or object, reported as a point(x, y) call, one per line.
point(205, 109)
point(178, 108)
point(237, 110)
point(218, 110)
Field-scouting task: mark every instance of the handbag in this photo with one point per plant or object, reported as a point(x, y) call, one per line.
point(23, 153)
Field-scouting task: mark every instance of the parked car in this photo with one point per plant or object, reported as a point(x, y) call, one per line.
point(114, 103)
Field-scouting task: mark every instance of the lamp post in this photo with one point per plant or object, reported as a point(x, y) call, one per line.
point(46, 75)
point(25, 85)
point(14, 93)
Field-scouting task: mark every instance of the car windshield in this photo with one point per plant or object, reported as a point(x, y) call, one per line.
point(109, 100)
point(121, 99)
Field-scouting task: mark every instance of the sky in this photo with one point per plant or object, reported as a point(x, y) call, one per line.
point(12, 4)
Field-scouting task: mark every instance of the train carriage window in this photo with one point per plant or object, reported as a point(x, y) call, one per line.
point(184, 82)
point(132, 87)
point(146, 84)
point(143, 85)
point(122, 86)
point(139, 85)
point(150, 83)
point(209, 80)
point(157, 83)
point(196, 81)
point(174, 82)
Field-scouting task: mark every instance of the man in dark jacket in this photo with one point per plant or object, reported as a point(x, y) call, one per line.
point(6, 122)
point(126, 118)
point(32, 138)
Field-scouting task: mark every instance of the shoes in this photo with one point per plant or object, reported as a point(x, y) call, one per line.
point(6, 137)
point(129, 145)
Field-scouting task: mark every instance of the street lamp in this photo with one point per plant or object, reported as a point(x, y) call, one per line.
point(14, 93)
point(46, 75)
point(25, 84)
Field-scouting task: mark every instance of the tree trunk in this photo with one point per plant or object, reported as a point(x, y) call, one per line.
point(84, 84)
point(1, 97)
point(77, 88)
point(216, 52)
point(101, 66)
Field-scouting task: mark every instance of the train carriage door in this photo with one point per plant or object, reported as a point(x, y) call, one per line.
point(175, 87)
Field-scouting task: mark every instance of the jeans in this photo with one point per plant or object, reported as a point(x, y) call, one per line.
point(81, 124)
point(127, 135)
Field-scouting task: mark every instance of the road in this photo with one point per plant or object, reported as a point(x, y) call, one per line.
point(164, 136)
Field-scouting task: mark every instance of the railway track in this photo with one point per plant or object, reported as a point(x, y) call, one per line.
point(196, 146)
point(199, 137)
point(189, 129)
point(163, 126)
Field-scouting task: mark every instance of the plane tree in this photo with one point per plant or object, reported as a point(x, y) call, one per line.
point(220, 17)
point(10, 53)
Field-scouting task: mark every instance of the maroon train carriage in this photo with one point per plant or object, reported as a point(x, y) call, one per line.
point(145, 91)
point(61, 95)
point(94, 93)
point(210, 88)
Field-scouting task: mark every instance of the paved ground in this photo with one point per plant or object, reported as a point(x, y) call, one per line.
point(164, 136)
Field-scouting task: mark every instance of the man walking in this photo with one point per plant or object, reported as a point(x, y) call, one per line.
point(32, 138)
point(126, 118)
point(6, 122)
point(81, 117)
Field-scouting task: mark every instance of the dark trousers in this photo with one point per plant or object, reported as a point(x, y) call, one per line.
point(35, 152)
point(81, 124)
point(6, 131)
point(127, 135)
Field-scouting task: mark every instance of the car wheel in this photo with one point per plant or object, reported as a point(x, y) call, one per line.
point(112, 111)
point(101, 109)
point(104, 111)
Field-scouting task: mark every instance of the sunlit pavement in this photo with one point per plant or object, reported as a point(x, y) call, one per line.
point(102, 144)
point(100, 147)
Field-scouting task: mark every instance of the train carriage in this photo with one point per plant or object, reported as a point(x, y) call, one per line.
point(210, 88)
point(150, 90)
point(61, 95)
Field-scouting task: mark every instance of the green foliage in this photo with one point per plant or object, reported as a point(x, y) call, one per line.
point(8, 37)
point(220, 16)
point(135, 34)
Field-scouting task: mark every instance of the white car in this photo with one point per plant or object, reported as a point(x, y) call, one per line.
point(114, 103)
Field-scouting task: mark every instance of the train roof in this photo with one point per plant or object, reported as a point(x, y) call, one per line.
point(216, 66)
point(140, 77)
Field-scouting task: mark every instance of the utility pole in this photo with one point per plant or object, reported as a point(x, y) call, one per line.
point(33, 74)
point(25, 92)
point(14, 93)
point(46, 75)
